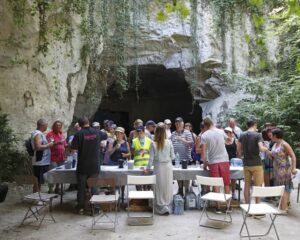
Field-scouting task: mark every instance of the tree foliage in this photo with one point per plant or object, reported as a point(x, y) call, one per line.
point(277, 100)
point(11, 160)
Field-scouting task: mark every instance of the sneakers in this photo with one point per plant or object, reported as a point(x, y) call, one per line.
point(218, 211)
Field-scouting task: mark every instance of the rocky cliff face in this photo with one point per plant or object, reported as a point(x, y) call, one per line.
point(52, 86)
point(33, 86)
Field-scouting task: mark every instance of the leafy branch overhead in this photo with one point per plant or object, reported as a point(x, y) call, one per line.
point(175, 6)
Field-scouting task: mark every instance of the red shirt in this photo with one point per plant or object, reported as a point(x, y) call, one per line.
point(58, 150)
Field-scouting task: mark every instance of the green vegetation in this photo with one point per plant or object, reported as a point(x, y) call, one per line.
point(11, 160)
point(277, 100)
point(172, 6)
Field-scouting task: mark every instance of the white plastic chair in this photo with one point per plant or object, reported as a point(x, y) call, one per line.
point(253, 209)
point(110, 201)
point(216, 197)
point(140, 180)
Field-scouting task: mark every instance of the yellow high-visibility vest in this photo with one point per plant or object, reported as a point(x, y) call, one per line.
point(140, 160)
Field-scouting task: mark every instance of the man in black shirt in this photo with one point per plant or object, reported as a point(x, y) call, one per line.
point(87, 143)
point(251, 143)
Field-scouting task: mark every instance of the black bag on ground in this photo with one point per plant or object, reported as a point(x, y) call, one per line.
point(3, 192)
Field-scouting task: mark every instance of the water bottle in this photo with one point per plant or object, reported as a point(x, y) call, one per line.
point(177, 160)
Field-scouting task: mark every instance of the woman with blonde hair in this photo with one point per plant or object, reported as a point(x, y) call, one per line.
point(162, 154)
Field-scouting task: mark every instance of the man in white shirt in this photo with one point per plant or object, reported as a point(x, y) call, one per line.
point(214, 155)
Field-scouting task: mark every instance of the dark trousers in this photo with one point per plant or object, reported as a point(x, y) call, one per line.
point(82, 187)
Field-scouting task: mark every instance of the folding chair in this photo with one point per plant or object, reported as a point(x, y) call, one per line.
point(253, 209)
point(39, 204)
point(216, 197)
point(140, 180)
point(105, 202)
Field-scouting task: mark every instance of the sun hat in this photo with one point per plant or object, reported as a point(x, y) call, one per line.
point(228, 129)
point(120, 129)
point(167, 121)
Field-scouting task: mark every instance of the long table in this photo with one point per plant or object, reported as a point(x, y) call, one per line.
point(60, 175)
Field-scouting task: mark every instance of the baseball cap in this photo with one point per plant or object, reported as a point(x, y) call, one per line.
point(167, 121)
point(150, 123)
point(138, 121)
point(140, 128)
point(179, 119)
point(96, 124)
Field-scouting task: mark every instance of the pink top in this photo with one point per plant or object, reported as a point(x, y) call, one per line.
point(58, 150)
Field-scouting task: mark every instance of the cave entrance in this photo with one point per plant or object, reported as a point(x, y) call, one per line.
point(163, 93)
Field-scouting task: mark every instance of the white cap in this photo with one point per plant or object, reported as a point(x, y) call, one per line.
point(96, 124)
point(229, 129)
point(167, 121)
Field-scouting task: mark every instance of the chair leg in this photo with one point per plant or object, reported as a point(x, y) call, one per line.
point(203, 210)
point(298, 192)
point(93, 215)
point(244, 225)
point(227, 213)
point(42, 219)
point(258, 235)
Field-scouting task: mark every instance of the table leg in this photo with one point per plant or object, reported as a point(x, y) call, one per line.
point(239, 192)
point(61, 192)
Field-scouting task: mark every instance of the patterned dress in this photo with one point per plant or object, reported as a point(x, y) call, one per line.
point(282, 167)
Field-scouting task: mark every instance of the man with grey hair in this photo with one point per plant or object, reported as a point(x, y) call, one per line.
point(42, 153)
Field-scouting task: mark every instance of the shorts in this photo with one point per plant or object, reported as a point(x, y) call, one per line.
point(220, 170)
point(39, 171)
point(268, 165)
point(255, 172)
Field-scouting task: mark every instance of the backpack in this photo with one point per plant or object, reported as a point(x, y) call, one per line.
point(29, 147)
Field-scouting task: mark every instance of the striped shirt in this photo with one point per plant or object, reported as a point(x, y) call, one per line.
point(181, 148)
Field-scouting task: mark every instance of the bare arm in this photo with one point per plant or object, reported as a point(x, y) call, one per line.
point(238, 149)
point(111, 149)
point(38, 143)
point(262, 148)
point(128, 154)
point(203, 154)
point(289, 151)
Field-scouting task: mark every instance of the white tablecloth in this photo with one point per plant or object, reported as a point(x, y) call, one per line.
point(62, 175)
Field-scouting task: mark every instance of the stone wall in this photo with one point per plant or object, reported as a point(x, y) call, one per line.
point(33, 86)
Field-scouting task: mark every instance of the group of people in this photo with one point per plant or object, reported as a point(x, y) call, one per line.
point(156, 145)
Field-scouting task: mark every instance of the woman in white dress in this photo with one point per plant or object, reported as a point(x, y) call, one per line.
point(162, 154)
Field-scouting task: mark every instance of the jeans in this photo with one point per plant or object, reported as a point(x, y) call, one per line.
point(82, 187)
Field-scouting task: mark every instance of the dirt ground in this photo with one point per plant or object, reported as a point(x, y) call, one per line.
point(73, 226)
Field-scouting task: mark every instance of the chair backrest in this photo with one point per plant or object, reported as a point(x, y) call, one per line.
point(101, 182)
point(27, 180)
point(276, 191)
point(141, 180)
point(210, 181)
